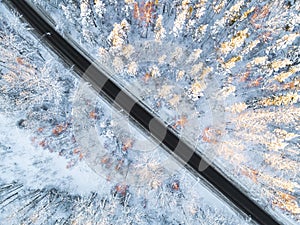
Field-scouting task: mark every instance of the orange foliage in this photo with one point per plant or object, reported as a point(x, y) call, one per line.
point(181, 122)
point(144, 12)
point(59, 129)
point(93, 115)
point(118, 166)
point(175, 186)
point(287, 202)
point(251, 173)
point(266, 36)
point(76, 151)
point(40, 129)
point(121, 189)
point(256, 82)
point(105, 160)
point(264, 12)
point(147, 77)
point(245, 76)
point(292, 85)
point(43, 143)
point(81, 155)
point(210, 135)
point(20, 60)
point(127, 144)
point(259, 14)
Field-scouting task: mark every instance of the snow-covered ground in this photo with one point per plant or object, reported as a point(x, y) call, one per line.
point(47, 177)
point(224, 74)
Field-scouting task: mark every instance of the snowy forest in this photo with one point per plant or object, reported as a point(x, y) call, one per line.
point(223, 74)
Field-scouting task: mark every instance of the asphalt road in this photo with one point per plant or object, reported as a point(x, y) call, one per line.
point(138, 112)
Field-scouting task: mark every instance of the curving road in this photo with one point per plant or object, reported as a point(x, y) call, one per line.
point(105, 86)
